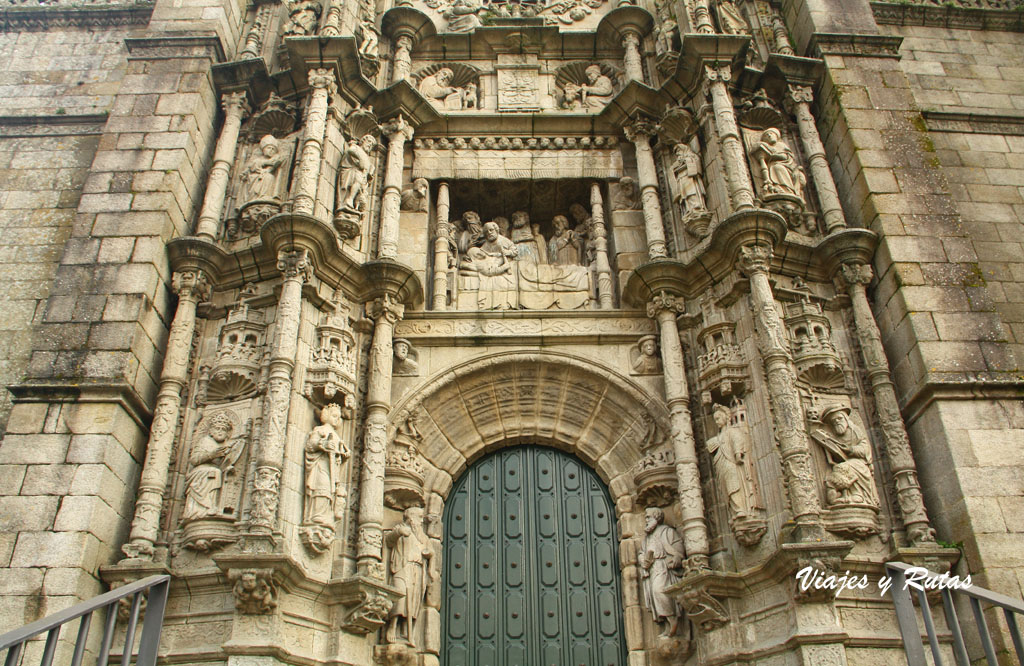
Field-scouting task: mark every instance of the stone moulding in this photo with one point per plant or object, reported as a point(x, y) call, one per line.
point(991, 15)
point(870, 46)
point(28, 18)
point(12, 127)
point(975, 123)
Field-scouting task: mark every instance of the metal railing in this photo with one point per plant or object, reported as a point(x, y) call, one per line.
point(14, 641)
point(914, 646)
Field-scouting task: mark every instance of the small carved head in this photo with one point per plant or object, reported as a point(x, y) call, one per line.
point(653, 516)
point(771, 136)
point(627, 186)
point(648, 345)
point(331, 415)
point(837, 417)
point(269, 145)
point(221, 427)
point(560, 223)
point(401, 349)
point(472, 219)
point(721, 415)
point(420, 186)
point(491, 231)
point(593, 73)
point(414, 515)
point(520, 219)
point(578, 212)
point(443, 76)
point(368, 142)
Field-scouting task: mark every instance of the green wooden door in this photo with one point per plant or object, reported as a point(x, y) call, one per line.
point(531, 565)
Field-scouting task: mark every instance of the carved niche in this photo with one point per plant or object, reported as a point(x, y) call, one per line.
point(586, 86)
point(655, 474)
point(450, 86)
point(731, 451)
point(325, 455)
point(814, 353)
point(354, 187)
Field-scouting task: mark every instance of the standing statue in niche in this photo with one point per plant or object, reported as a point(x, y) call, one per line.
point(303, 16)
point(355, 173)
point(415, 198)
point(687, 170)
point(731, 450)
point(563, 248)
point(325, 452)
point(409, 566)
point(661, 557)
point(523, 237)
point(848, 451)
point(259, 176)
point(731, 19)
point(212, 457)
point(780, 171)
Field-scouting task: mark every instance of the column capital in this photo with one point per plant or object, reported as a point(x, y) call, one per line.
point(294, 264)
point(235, 103)
point(755, 259)
point(385, 308)
point(397, 128)
point(640, 129)
point(718, 72)
point(665, 302)
point(796, 93)
point(404, 40)
point(322, 78)
point(855, 273)
point(630, 37)
point(191, 284)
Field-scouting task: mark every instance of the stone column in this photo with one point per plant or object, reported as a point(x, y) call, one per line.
point(664, 308)
point(441, 249)
point(191, 287)
point(254, 38)
point(799, 99)
point(402, 60)
point(235, 107)
point(294, 266)
point(398, 132)
point(601, 266)
point(640, 132)
point(332, 22)
point(782, 43)
point(856, 276)
point(321, 83)
point(631, 60)
point(787, 413)
point(702, 16)
point(385, 313)
point(741, 191)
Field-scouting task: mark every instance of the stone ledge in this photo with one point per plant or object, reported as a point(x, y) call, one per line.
point(992, 17)
point(869, 46)
point(974, 123)
point(52, 125)
point(80, 392)
point(176, 46)
point(44, 17)
point(980, 389)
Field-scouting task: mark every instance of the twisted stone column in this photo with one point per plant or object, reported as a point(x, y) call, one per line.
point(798, 99)
point(787, 412)
point(385, 312)
point(640, 131)
point(235, 108)
point(601, 266)
point(741, 191)
point(631, 60)
point(442, 249)
point(402, 60)
point(191, 287)
point(322, 85)
point(398, 132)
point(856, 276)
point(294, 266)
point(664, 308)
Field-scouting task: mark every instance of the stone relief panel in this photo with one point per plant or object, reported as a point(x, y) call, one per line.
point(450, 86)
point(586, 86)
point(468, 15)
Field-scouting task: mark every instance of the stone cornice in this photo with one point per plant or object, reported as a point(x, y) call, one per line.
point(163, 48)
point(870, 46)
point(974, 123)
point(81, 391)
point(97, 15)
point(976, 389)
point(52, 125)
point(996, 15)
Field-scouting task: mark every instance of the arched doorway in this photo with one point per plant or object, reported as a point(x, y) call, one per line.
point(531, 571)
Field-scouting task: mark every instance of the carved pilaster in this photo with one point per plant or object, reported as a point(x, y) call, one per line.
point(235, 108)
point(787, 412)
point(191, 287)
point(798, 100)
point(855, 277)
point(631, 60)
point(442, 248)
point(385, 312)
point(322, 86)
point(601, 265)
point(741, 190)
point(639, 132)
point(664, 308)
point(402, 58)
point(398, 132)
point(294, 266)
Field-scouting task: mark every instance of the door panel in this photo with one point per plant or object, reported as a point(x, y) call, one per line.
point(530, 565)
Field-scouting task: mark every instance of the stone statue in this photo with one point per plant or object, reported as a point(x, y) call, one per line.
point(522, 236)
point(660, 558)
point(593, 95)
point(563, 248)
point(255, 592)
point(538, 237)
point(462, 16)
point(581, 218)
point(494, 256)
point(645, 356)
point(848, 451)
point(354, 173)
point(626, 195)
point(409, 565)
point(213, 456)
point(405, 365)
point(325, 451)
point(415, 199)
point(687, 170)
point(781, 172)
point(369, 39)
point(259, 175)
point(438, 89)
point(731, 448)
point(731, 19)
point(471, 233)
point(303, 16)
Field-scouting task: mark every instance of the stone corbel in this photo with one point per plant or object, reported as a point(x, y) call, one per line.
point(368, 602)
point(255, 590)
point(826, 557)
point(702, 594)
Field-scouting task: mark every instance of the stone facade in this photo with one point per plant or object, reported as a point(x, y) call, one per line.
point(278, 274)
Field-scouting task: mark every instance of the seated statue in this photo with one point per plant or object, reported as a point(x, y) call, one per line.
point(593, 96)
